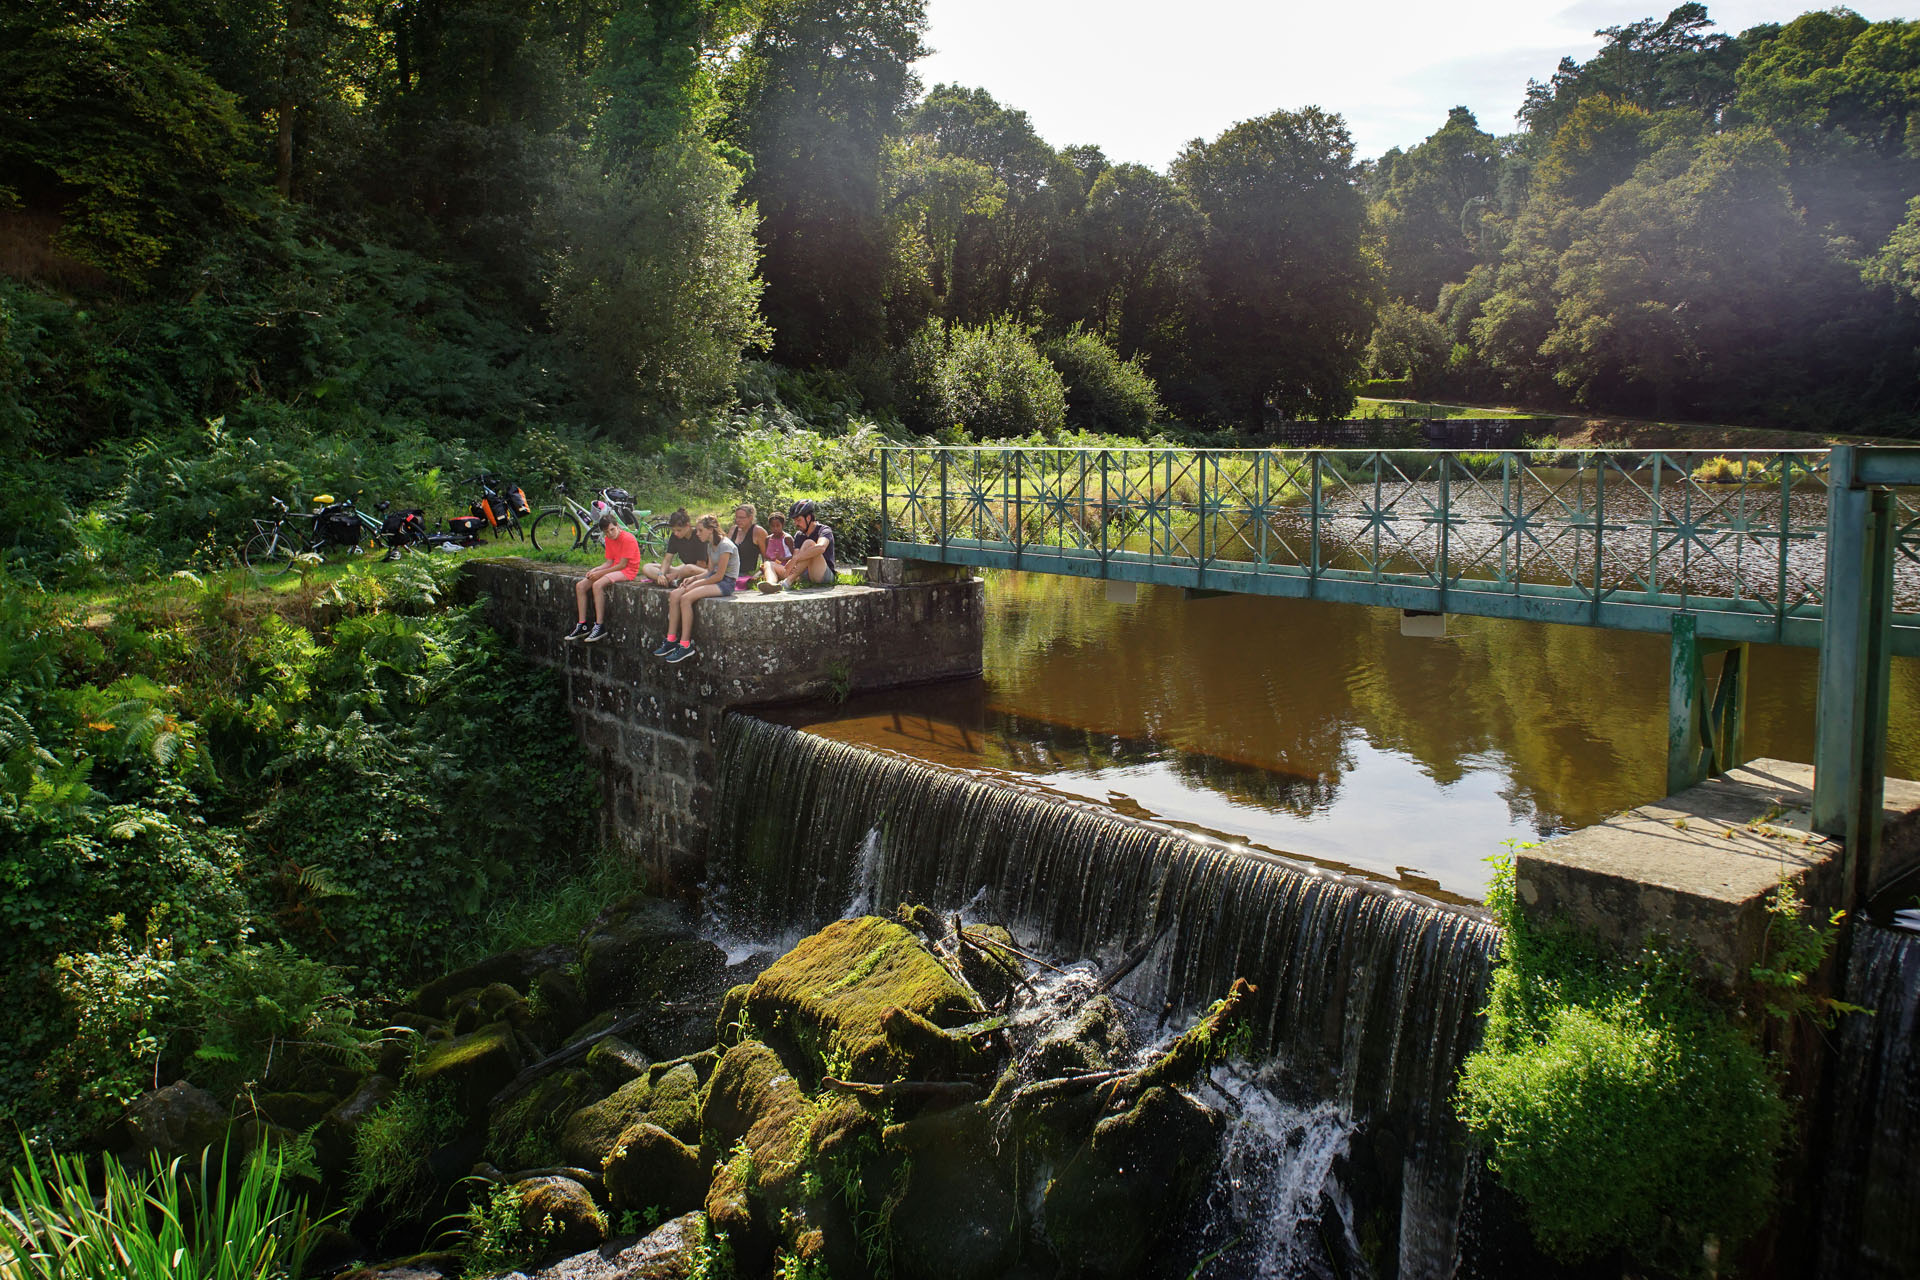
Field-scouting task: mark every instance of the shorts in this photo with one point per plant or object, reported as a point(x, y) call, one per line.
point(727, 586)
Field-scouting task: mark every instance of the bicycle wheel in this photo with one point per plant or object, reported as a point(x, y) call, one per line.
point(269, 552)
point(653, 539)
point(555, 529)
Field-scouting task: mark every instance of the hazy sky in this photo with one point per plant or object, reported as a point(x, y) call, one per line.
point(1139, 79)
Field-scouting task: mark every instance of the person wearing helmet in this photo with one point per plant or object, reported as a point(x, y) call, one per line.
point(812, 559)
point(622, 563)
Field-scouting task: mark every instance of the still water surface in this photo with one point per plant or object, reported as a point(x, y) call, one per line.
point(1318, 731)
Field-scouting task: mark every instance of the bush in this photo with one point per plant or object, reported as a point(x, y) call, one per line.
point(1104, 392)
point(989, 380)
point(1617, 1102)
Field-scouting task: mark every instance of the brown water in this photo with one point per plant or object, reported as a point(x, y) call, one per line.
point(1318, 731)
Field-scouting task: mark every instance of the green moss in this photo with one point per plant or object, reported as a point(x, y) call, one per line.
point(525, 1133)
point(390, 1150)
point(829, 998)
point(1617, 1101)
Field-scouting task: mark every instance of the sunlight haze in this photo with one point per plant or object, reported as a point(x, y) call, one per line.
point(1140, 80)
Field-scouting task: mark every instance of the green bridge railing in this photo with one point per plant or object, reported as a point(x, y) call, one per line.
point(1818, 548)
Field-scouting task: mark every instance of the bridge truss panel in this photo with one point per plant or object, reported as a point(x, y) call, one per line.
point(1611, 538)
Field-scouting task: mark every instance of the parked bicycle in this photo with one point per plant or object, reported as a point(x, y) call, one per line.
point(573, 527)
point(333, 531)
point(502, 505)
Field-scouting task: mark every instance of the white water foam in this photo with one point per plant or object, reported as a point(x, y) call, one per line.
point(1276, 1195)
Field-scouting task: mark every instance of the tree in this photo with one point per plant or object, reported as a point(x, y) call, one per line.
point(1142, 235)
point(1674, 63)
point(1425, 200)
point(815, 92)
point(1290, 287)
point(655, 289)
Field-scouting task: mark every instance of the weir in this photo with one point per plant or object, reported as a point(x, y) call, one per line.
point(1367, 996)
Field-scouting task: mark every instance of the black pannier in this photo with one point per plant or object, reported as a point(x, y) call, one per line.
point(516, 499)
point(466, 527)
point(404, 528)
point(622, 503)
point(339, 525)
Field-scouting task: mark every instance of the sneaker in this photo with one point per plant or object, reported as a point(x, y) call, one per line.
point(596, 635)
point(665, 647)
point(579, 632)
point(681, 653)
point(766, 588)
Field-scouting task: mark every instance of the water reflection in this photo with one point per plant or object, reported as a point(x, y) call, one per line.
point(1318, 730)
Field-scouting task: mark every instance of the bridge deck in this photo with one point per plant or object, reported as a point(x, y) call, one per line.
point(1623, 540)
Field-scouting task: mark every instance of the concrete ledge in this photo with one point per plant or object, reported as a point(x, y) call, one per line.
point(1696, 867)
point(653, 727)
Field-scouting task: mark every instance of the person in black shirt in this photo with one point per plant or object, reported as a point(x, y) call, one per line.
point(812, 560)
point(682, 546)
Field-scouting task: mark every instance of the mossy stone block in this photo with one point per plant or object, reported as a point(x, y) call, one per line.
point(561, 1214)
point(474, 1066)
point(525, 1133)
point(830, 997)
point(652, 1169)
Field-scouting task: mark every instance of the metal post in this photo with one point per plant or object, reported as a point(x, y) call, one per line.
point(1706, 729)
point(886, 527)
point(1849, 781)
point(943, 505)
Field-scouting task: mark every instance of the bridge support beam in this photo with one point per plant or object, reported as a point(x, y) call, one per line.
point(1706, 722)
point(1850, 744)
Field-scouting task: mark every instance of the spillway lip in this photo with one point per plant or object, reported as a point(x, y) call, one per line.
point(1028, 784)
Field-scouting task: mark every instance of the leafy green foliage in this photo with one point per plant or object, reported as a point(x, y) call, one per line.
point(219, 831)
point(168, 1221)
point(1104, 392)
point(496, 1240)
point(390, 1150)
point(1618, 1103)
point(990, 381)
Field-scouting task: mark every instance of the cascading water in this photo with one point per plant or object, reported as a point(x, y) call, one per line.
point(1869, 1228)
point(1367, 997)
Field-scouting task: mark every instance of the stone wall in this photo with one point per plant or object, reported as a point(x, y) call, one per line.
point(652, 728)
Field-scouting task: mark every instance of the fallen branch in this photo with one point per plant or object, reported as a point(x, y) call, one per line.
point(519, 1084)
point(954, 1090)
point(1196, 1048)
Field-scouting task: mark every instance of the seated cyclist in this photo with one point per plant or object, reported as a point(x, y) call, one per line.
point(622, 564)
point(812, 559)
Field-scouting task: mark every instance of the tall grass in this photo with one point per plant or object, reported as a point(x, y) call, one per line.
point(227, 1219)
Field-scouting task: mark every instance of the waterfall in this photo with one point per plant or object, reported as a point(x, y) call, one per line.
point(1869, 1228)
point(1367, 996)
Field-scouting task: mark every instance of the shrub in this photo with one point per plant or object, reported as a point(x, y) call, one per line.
point(1104, 392)
point(989, 380)
point(1616, 1101)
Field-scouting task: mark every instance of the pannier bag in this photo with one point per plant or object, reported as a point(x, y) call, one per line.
point(467, 527)
point(516, 500)
point(404, 528)
point(339, 525)
point(489, 510)
point(622, 503)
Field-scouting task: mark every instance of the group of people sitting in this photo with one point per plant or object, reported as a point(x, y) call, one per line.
point(703, 561)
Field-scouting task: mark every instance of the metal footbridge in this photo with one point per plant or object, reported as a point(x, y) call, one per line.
point(1719, 550)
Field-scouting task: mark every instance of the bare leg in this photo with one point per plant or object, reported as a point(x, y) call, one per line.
point(600, 599)
point(580, 588)
point(706, 592)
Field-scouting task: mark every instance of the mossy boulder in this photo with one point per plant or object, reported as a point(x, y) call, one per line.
point(561, 1214)
point(1095, 1039)
point(178, 1120)
point(613, 1062)
point(987, 963)
point(956, 1218)
point(754, 1098)
point(516, 969)
point(618, 958)
point(651, 1169)
point(668, 1094)
point(333, 1140)
point(475, 1066)
point(297, 1111)
point(560, 1003)
point(1131, 1186)
point(525, 1131)
point(831, 999)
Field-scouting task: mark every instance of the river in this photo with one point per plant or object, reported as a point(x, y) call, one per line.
point(1318, 731)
